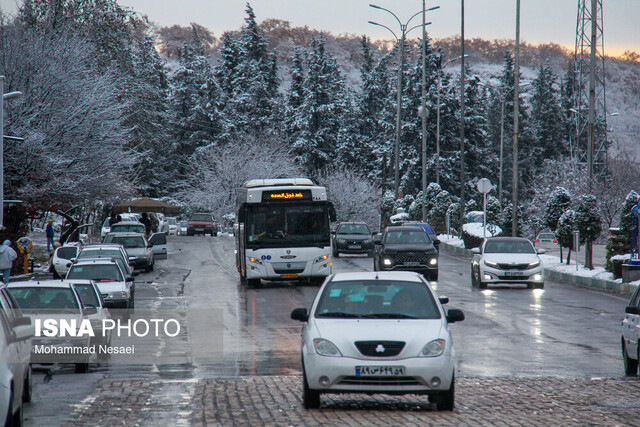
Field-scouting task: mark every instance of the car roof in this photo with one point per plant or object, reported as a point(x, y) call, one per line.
point(126, 234)
point(407, 276)
point(104, 245)
point(71, 244)
point(508, 238)
point(404, 228)
point(104, 260)
point(353, 223)
point(128, 223)
point(40, 284)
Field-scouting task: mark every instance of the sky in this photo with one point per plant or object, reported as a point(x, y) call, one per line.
point(542, 21)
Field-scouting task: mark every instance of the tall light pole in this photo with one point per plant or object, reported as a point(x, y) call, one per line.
point(462, 179)
point(424, 106)
point(438, 118)
point(5, 96)
point(401, 41)
point(516, 117)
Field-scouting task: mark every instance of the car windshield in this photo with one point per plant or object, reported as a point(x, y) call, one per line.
point(67, 252)
point(171, 221)
point(127, 228)
point(87, 294)
point(93, 253)
point(546, 236)
point(508, 247)
point(127, 241)
point(97, 272)
point(184, 223)
point(377, 299)
point(45, 298)
point(300, 224)
point(354, 229)
point(406, 237)
point(201, 217)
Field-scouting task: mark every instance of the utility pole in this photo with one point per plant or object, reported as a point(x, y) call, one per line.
point(462, 178)
point(516, 117)
point(424, 111)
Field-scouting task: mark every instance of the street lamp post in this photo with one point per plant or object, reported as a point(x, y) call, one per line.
point(5, 96)
point(462, 201)
point(438, 117)
point(401, 40)
point(424, 106)
point(516, 118)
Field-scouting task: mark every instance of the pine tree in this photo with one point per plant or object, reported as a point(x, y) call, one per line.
point(589, 224)
point(547, 120)
point(564, 233)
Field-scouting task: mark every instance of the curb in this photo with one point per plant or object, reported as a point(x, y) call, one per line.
point(588, 282)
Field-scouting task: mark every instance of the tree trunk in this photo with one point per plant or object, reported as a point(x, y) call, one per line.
point(568, 256)
point(588, 257)
point(560, 252)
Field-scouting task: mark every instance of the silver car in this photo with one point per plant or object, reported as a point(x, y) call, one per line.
point(139, 249)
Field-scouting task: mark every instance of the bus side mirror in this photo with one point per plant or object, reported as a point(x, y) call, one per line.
point(332, 212)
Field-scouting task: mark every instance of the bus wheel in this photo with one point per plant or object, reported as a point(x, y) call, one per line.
point(254, 283)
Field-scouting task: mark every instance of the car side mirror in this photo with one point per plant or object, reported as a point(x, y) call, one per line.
point(443, 300)
point(541, 251)
point(89, 310)
point(476, 251)
point(135, 273)
point(129, 279)
point(150, 245)
point(632, 310)
point(72, 260)
point(300, 314)
point(377, 239)
point(21, 321)
point(436, 242)
point(455, 315)
point(69, 265)
point(22, 332)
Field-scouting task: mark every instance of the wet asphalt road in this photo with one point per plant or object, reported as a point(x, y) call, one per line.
point(561, 331)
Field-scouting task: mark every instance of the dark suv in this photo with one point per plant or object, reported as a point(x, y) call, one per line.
point(406, 248)
point(202, 223)
point(352, 238)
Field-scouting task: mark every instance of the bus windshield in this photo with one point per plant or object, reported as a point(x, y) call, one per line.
point(287, 225)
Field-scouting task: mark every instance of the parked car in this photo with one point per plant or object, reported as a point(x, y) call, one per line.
point(173, 226)
point(62, 256)
point(128, 227)
point(137, 246)
point(631, 334)
point(108, 251)
point(163, 225)
point(16, 332)
point(352, 238)
point(56, 299)
point(507, 260)
point(182, 228)
point(89, 294)
point(546, 239)
point(385, 332)
point(117, 289)
point(406, 248)
point(426, 227)
point(202, 223)
point(105, 228)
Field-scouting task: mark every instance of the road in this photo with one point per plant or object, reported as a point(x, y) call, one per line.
point(236, 339)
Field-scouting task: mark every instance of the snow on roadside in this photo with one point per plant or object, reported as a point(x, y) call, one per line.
point(476, 229)
point(553, 263)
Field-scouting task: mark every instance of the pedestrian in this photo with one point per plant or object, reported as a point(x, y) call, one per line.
point(112, 219)
point(7, 256)
point(154, 222)
point(50, 233)
point(147, 223)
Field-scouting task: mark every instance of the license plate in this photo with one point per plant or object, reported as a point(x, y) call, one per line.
point(412, 263)
point(289, 276)
point(513, 274)
point(355, 246)
point(379, 371)
point(199, 229)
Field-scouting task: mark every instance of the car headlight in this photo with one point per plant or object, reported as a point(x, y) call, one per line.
point(321, 258)
point(326, 348)
point(118, 295)
point(433, 261)
point(342, 241)
point(433, 348)
point(387, 261)
point(534, 264)
point(491, 264)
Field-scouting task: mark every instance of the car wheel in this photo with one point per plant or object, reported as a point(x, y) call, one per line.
point(254, 283)
point(56, 276)
point(152, 266)
point(370, 254)
point(630, 365)
point(13, 420)
point(540, 286)
point(82, 368)
point(310, 398)
point(132, 303)
point(433, 277)
point(473, 278)
point(481, 284)
point(27, 390)
point(445, 400)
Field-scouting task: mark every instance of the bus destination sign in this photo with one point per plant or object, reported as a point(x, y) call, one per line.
point(286, 195)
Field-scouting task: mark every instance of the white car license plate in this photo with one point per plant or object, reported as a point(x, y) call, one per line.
point(513, 273)
point(355, 246)
point(412, 263)
point(379, 371)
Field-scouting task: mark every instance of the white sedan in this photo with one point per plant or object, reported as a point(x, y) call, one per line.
point(507, 260)
point(631, 335)
point(378, 332)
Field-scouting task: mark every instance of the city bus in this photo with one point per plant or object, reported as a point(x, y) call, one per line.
point(282, 231)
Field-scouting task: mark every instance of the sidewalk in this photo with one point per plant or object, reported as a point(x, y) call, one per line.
point(554, 270)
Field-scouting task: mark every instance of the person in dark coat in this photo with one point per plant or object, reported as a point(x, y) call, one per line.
point(50, 233)
point(147, 223)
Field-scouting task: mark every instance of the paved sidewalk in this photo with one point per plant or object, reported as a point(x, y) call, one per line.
point(258, 401)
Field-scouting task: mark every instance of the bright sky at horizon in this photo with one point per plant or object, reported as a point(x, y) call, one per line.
point(542, 21)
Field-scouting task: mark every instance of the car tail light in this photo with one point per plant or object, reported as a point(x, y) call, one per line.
point(555, 241)
point(537, 240)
